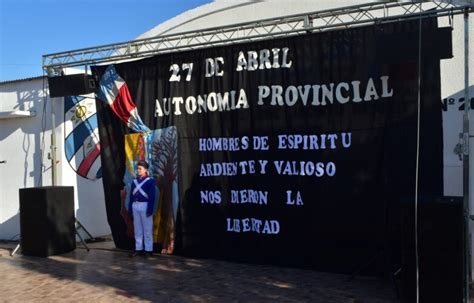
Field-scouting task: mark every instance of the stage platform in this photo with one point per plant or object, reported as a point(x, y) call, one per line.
point(105, 274)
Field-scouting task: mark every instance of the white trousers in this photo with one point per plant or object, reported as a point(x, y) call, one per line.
point(143, 226)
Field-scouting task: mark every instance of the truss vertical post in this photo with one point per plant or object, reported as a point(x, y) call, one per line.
point(466, 196)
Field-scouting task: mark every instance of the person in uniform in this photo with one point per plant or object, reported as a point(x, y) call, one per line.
point(140, 208)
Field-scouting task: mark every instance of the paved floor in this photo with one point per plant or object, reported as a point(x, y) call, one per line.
point(105, 274)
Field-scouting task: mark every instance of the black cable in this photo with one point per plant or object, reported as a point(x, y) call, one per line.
point(417, 269)
point(43, 128)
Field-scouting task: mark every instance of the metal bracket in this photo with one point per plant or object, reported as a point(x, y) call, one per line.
point(465, 144)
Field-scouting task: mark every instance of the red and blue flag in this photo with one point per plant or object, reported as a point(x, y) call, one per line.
point(114, 91)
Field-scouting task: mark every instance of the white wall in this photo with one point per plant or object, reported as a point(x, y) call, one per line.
point(20, 141)
point(89, 195)
point(20, 145)
point(452, 87)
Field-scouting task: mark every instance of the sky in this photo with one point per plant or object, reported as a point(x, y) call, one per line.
point(30, 29)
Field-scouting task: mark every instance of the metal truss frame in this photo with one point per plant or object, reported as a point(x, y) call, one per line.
point(326, 20)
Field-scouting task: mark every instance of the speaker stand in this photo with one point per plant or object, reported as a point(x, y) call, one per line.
point(386, 269)
point(78, 226)
point(15, 249)
point(382, 253)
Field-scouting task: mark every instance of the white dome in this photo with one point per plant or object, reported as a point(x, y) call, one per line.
point(226, 12)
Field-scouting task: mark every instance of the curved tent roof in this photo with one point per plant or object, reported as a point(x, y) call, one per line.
point(226, 12)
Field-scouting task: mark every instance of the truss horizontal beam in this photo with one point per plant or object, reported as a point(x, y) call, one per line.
point(326, 20)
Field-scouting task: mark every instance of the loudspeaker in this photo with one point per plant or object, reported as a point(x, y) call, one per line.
point(403, 47)
point(71, 85)
point(47, 222)
point(440, 250)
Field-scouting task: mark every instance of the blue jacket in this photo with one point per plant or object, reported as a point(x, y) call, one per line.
point(149, 189)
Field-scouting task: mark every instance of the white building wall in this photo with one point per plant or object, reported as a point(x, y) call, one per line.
point(226, 12)
point(21, 142)
point(89, 195)
point(452, 90)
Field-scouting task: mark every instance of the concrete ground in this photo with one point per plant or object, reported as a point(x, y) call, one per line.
point(105, 274)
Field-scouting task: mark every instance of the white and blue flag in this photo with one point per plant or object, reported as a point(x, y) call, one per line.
point(82, 145)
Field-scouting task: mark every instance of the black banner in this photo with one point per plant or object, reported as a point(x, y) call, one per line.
point(293, 151)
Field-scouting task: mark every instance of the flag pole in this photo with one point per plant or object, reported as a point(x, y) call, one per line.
point(466, 137)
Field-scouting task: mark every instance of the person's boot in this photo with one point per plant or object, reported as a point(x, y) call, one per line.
point(135, 253)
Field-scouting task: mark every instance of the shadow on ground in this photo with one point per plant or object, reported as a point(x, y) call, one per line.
point(109, 274)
